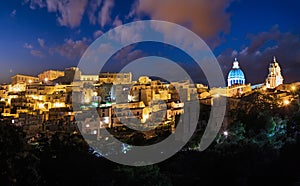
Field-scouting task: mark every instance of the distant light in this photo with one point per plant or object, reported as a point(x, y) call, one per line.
point(87, 125)
point(95, 131)
point(30, 81)
point(225, 133)
point(106, 120)
point(13, 121)
point(286, 102)
point(293, 88)
point(58, 105)
point(46, 79)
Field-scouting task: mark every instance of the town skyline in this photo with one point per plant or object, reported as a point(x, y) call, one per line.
point(150, 92)
point(72, 26)
point(135, 77)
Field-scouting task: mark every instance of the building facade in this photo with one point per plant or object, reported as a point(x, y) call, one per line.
point(274, 78)
point(115, 78)
point(236, 75)
point(23, 79)
point(50, 75)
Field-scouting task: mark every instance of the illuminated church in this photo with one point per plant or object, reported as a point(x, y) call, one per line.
point(236, 81)
point(274, 78)
point(236, 75)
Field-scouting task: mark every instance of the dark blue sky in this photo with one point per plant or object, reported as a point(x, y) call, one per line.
point(37, 35)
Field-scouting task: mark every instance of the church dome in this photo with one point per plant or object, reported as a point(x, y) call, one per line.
point(236, 75)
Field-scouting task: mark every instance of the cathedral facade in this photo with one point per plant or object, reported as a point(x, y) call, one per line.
point(236, 75)
point(274, 78)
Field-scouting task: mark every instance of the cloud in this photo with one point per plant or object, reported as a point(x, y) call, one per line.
point(117, 21)
point(13, 13)
point(34, 52)
point(93, 7)
point(71, 49)
point(128, 54)
point(28, 46)
point(97, 34)
point(33, 4)
point(105, 13)
point(70, 12)
point(255, 58)
point(127, 34)
point(37, 53)
point(207, 18)
point(41, 42)
point(122, 58)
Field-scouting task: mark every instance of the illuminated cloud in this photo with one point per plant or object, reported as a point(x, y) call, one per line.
point(28, 46)
point(128, 34)
point(71, 12)
point(41, 42)
point(33, 4)
point(105, 13)
point(117, 21)
point(92, 9)
point(208, 18)
point(97, 34)
point(71, 49)
point(37, 53)
point(13, 13)
point(34, 52)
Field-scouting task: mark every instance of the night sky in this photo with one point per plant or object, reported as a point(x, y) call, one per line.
point(37, 35)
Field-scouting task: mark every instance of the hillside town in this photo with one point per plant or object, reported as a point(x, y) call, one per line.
point(45, 104)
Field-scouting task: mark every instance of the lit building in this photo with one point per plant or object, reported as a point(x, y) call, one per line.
point(115, 78)
point(236, 75)
point(89, 77)
point(23, 79)
point(50, 75)
point(274, 78)
point(72, 73)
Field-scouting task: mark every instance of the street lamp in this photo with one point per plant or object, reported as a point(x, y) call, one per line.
point(286, 102)
point(225, 133)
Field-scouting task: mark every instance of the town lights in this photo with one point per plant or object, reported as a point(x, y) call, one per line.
point(225, 133)
point(286, 102)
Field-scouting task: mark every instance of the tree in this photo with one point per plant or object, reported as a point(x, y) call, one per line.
point(145, 175)
point(17, 164)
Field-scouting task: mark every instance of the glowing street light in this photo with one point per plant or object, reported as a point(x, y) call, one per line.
point(293, 88)
point(286, 102)
point(225, 133)
point(46, 80)
point(30, 81)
